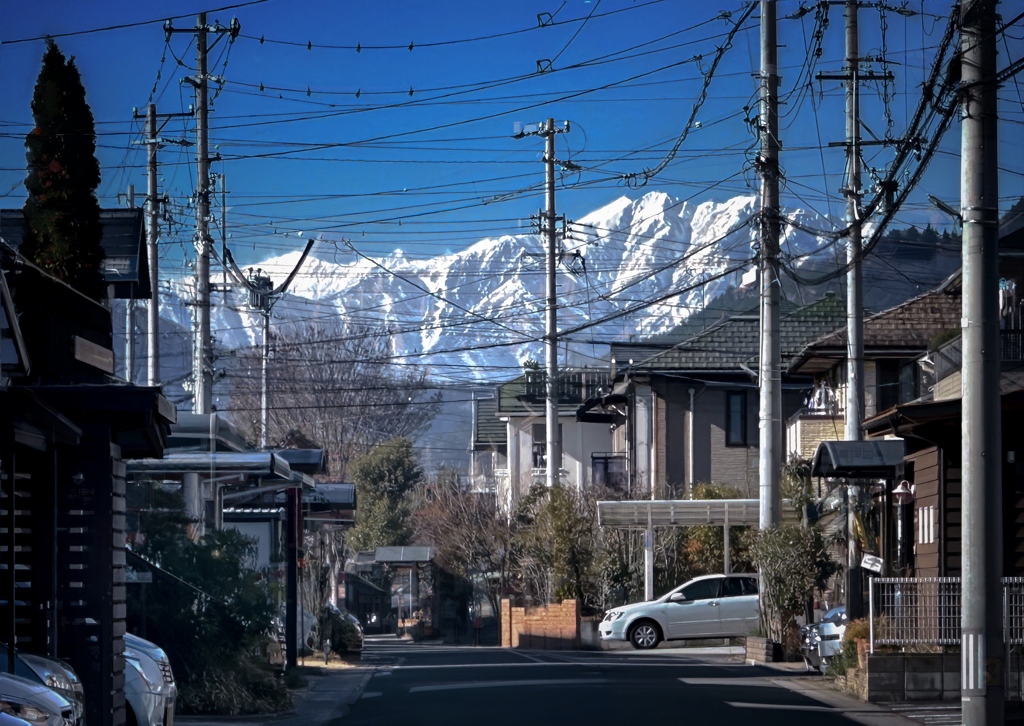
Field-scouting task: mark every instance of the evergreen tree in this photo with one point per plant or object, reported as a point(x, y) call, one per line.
point(384, 478)
point(62, 216)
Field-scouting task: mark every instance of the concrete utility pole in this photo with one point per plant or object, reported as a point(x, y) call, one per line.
point(202, 345)
point(981, 645)
point(769, 364)
point(854, 305)
point(854, 281)
point(153, 143)
point(129, 316)
point(554, 433)
point(152, 234)
point(202, 358)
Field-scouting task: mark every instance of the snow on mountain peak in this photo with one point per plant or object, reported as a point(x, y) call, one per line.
point(630, 249)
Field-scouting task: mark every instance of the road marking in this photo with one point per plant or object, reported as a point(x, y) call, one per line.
point(381, 673)
point(510, 684)
point(535, 663)
point(535, 659)
point(371, 694)
point(784, 707)
point(761, 682)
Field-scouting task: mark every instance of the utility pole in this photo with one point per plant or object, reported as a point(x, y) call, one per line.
point(129, 315)
point(553, 448)
point(202, 358)
point(554, 433)
point(202, 346)
point(769, 364)
point(852, 76)
point(152, 233)
point(854, 306)
point(153, 143)
point(854, 281)
point(981, 645)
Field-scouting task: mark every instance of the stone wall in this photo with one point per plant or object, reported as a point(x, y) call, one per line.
point(546, 627)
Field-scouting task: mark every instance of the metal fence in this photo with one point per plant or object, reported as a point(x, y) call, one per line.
point(911, 611)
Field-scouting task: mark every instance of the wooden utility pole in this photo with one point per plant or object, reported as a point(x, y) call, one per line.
point(769, 363)
point(981, 643)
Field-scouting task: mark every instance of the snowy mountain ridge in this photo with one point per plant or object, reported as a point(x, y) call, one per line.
point(483, 306)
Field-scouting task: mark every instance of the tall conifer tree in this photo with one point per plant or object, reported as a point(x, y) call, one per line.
point(62, 216)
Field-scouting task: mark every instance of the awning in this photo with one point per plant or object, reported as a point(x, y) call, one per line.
point(645, 513)
point(679, 513)
point(260, 463)
point(858, 459)
point(404, 555)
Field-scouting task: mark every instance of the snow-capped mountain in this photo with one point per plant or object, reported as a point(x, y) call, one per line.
point(483, 307)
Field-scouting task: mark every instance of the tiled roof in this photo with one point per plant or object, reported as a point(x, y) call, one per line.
point(736, 341)
point(912, 324)
point(490, 430)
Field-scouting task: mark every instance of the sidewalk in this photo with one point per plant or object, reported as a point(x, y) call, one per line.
point(796, 678)
point(328, 695)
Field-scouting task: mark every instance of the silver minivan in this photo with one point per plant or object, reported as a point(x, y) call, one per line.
point(712, 606)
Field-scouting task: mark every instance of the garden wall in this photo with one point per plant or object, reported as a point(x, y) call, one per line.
point(913, 677)
point(545, 627)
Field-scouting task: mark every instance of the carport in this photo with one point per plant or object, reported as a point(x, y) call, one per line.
point(646, 514)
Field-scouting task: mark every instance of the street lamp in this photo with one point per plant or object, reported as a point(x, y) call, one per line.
point(903, 495)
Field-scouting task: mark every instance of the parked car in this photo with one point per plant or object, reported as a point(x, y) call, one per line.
point(149, 689)
point(34, 703)
point(52, 673)
point(822, 641)
point(713, 606)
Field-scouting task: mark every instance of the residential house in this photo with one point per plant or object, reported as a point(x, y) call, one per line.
point(68, 429)
point(488, 452)
point(933, 431)
point(895, 371)
point(688, 413)
point(518, 460)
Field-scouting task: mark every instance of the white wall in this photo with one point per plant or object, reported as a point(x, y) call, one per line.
point(579, 441)
point(262, 532)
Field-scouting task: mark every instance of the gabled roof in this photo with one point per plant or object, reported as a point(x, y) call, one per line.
point(734, 342)
point(907, 328)
point(126, 261)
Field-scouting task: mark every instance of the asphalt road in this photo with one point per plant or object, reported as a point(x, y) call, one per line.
point(419, 684)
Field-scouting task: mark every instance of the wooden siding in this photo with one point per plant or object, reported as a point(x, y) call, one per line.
point(952, 522)
point(927, 485)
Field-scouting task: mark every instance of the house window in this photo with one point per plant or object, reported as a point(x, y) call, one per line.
point(609, 470)
point(736, 418)
point(539, 434)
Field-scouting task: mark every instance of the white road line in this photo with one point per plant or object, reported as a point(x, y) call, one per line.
point(758, 682)
point(784, 707)
point(535, 659)
point(535, 663)
point(379, 674)
point(371, 694)
point(509, 684)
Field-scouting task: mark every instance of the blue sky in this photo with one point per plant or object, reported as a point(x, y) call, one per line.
point(423, 157)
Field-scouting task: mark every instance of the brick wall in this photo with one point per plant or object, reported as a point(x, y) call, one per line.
point(546, 627)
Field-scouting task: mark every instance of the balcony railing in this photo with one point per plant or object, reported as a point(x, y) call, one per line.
point(574, 387)
point(949, 357)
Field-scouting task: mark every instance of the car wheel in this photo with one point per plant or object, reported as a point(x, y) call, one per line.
point(644, 635)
